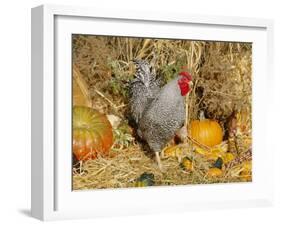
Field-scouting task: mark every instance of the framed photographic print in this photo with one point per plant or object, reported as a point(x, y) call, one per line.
point(137, 112)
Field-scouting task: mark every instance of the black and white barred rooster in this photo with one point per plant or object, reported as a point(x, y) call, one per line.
point(158, 112)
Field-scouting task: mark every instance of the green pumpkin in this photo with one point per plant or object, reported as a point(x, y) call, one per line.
point(146, 179)
point(219, 162)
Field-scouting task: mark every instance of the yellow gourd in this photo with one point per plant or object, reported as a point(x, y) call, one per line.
point(216, 170)
point(187, 164)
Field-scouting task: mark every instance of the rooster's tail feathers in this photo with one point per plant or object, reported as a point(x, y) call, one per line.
point(144, 72)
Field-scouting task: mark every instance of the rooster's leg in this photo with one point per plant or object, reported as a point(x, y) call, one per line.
point(80, 166)
point(158, 161)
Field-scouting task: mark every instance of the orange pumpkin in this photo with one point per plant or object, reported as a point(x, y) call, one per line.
point(207, 132)
point(92, 133)
point(214, 172)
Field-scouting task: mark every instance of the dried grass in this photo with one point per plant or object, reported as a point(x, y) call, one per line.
point(125, 166)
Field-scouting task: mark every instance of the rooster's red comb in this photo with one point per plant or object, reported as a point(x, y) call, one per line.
point(186, 74)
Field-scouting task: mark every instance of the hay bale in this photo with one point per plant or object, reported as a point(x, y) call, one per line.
point(225, 79)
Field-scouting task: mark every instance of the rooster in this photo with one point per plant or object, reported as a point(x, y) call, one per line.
point(159, 112)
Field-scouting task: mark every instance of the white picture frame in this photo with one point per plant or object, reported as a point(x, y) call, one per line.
point(52, 196)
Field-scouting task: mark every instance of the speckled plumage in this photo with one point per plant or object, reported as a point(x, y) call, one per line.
point(163, 117)
point(144, 88)
point(158, 112)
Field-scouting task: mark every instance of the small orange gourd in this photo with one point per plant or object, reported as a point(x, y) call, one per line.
point(92, 133)
point(214, 172)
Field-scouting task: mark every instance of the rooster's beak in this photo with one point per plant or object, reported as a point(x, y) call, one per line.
point(190, 84)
